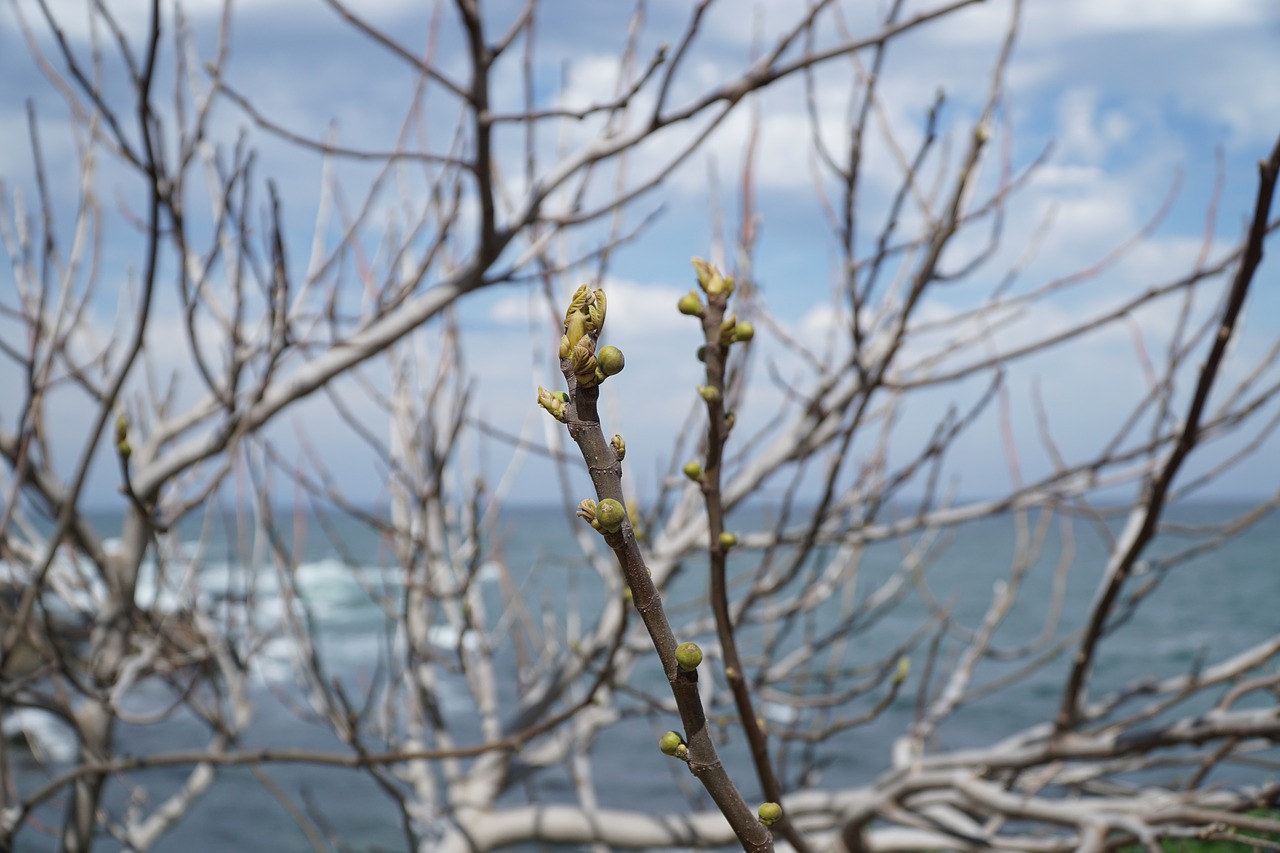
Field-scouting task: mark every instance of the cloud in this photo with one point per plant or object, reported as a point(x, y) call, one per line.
point(634, 308)
point(1127, 90)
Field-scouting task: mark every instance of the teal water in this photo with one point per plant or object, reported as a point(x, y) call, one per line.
point(1201, 610)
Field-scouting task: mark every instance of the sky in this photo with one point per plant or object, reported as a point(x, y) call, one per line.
point(1135, 101)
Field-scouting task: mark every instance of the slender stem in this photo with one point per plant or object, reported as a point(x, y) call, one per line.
point(605, 470)
point(716, 356)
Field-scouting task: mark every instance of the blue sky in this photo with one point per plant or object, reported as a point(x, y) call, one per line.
point(1136, 97)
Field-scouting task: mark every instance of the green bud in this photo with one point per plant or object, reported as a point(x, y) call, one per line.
point(710, 279)
point(610, 514)
point(729, 420)
point(688, 655)
point(690, 304)
point(610, 361)
point(619, 447)
point(575, 320)
point(587, 512)
point(595, 313)
point(122, 436)
point(710, 393)
point(552, 403)
point(584, 318)
point(770, 813)
point(670, 743)
point(693, 470)
point(904, 667)
point(583, 359)
point(744, 332)
point(728, 540)
point(726, 330)
point(702, 354)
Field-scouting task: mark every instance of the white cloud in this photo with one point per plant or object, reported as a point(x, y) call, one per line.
point(634, 308)
point(1111, 16)
point(1128, 89)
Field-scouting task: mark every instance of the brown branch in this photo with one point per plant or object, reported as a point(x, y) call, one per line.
point(1142, 524)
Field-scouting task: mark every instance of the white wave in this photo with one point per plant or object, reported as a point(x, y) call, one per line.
point(779, 713)
point(49, 739)
point(446, 637)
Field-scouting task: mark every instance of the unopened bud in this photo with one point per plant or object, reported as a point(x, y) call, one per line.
point(610, 361)
point(610, 514)
point(690, 304)
point(688, 656)
point(770, 813)
point(904, 667)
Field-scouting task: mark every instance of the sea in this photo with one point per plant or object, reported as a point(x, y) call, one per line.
point(1205, 598)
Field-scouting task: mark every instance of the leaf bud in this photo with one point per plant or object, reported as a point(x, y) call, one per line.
point(702, 354)
point(587, 512)
point(552, 403)
point(610, 361)
point(710, 279)
point(596, 307)
point(728, 540)
point(583, 359)
point(688, 655)
point(122, 436)
point(727, 330)
point(904, 667)
point(610, 514)
point(744, 332)
point(770, 813)
point(710, 393)
point(575, 320)
point(619, 446)
point(693, 470)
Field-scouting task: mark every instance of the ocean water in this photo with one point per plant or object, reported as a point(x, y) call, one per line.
point(1201, 610)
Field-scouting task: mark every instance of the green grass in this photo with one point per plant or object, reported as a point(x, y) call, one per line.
point(1191, 845)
